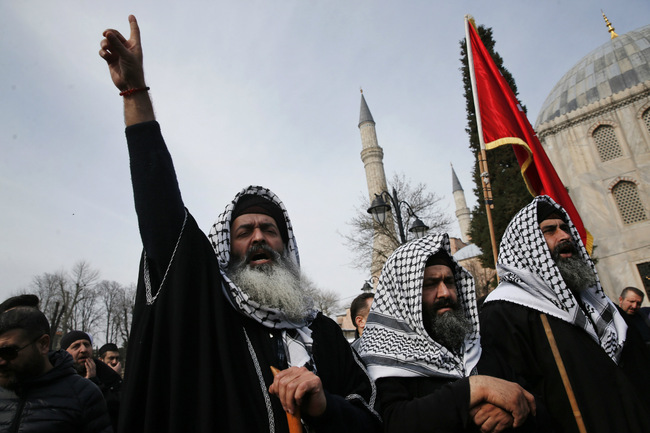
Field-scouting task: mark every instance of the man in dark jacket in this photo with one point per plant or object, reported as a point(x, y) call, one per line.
point(630, 302)
point(40, 391)
point(109, 354)
point(78, 345)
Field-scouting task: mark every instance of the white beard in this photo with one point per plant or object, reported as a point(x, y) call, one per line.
point(273, 285)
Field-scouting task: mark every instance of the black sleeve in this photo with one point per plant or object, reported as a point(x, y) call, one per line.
point(506, 331)
point(446, 409)
point(158, 201)
point(342, 416)
point(94, 414)
point(351, 394)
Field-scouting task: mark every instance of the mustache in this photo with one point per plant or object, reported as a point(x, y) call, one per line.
point(261, 249)
point(565, 246)
point(444, 303)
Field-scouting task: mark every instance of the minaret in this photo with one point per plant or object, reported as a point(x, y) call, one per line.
point(462, 211)
point(372, 156)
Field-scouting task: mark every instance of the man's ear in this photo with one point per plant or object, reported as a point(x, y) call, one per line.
point(358, 321)
point(43, 344)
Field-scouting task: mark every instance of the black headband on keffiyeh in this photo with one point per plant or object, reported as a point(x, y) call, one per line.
point(252, 203)
point(394, 341)
point(530, 277)
point(220, 239)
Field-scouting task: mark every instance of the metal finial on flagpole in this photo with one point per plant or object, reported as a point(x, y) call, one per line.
point(609, 25)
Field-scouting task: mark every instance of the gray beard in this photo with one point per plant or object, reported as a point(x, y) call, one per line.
point(450, 329)
point(577, 274)
point(274, 285)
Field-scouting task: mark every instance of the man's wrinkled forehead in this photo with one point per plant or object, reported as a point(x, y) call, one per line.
point(256, 204)
point(250, 220)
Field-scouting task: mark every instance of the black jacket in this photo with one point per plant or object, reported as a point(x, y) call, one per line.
point(57, 401)
point(110, 384)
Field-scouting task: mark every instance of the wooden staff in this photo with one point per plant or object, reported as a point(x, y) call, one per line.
point(295, 425)
point(482, 158)
point(563, 374)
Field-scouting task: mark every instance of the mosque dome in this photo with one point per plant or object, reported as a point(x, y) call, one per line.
point(617, 65)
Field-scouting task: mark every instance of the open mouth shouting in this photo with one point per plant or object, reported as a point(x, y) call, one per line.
point(565, 249)
point(260, 255)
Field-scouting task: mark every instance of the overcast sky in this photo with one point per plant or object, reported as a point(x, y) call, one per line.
point(252, 92)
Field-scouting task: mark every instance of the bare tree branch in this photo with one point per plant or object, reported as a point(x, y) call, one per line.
point(326, 301)
point(363, 229)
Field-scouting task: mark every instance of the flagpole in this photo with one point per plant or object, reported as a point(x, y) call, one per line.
point(482, 158)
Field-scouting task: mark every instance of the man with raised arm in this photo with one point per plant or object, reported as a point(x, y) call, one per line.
point(421, 344)
point(214, 314)
point(550, 299)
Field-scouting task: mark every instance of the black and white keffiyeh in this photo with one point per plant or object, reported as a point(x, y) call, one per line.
point(220, 239)
point(530, 277)
point(394, 341)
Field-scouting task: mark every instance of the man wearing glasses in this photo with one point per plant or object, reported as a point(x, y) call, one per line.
point(40, 391)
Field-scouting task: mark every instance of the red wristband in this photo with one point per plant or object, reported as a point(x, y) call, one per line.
point(130, 92)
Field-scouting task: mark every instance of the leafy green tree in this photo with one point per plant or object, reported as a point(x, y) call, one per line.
point(509, 190)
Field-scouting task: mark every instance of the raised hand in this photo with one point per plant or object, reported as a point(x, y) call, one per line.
point(124, 57)
point(91, 369)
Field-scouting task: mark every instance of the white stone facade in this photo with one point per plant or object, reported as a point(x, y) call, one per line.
point(592, 176)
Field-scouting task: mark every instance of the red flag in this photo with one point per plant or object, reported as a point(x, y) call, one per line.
point(504, 122)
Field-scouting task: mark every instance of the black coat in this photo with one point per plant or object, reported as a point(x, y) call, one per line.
point(59, 401)
point(439, 404)
point(195, 363)
point(110, 384)
point(611, 397)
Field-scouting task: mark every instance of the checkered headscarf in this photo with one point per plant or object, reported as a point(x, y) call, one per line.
point(394, 341)
point(220, 238)
point(530, 277)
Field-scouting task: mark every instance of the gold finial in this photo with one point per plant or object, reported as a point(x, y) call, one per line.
point(361, 88)
point(609, 25)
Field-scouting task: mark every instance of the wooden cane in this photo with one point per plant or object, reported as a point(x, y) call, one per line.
point(563, 374)
point(295, 425)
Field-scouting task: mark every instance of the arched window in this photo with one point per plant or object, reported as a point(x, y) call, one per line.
point(606, 143)
point(646, 118)
point(628, 202)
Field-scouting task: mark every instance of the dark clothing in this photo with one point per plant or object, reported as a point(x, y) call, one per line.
point(110, 384)
point(641, 324)
point(611, 398)
point(195, 363)
point(59, 401)
point(439, 404)
point(424, 404)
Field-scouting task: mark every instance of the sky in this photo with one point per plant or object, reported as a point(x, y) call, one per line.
point(252, 92)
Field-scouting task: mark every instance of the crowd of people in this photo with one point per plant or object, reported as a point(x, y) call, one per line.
point(224, 337)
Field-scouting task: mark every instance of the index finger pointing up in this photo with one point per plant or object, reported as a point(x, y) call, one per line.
point(135, 30)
